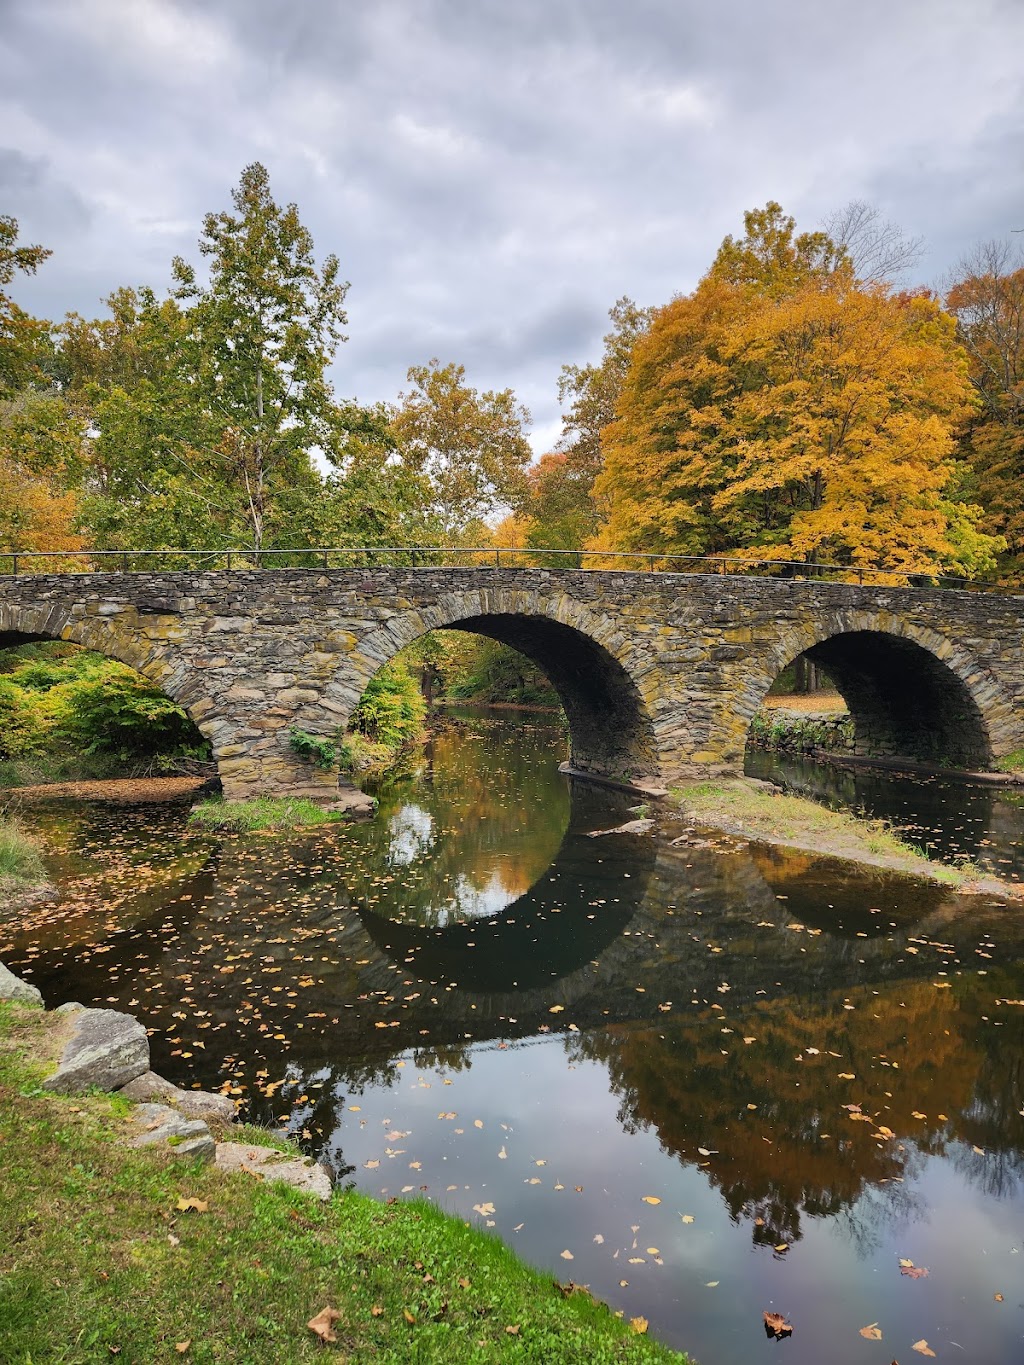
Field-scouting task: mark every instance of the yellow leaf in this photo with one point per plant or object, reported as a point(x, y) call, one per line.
point(923, 1348)
point(651, 1199)
point(639, 1325)
point(686, 1217)
point(182, 1346)
point(567, 1256)
point(192, 1205)
point(409, 1317)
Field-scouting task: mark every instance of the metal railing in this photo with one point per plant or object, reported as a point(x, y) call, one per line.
point(496, 557)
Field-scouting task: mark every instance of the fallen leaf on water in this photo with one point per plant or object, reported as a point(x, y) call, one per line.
point(485, 1210)
point(599, 1239)
point(556, 1009)
point(707, 1151)
point(651, 1199)
point(873, 1332)
point(623, 1284)
point(503, 1155)
point(323, 1324)
point(923, 1348)
point(686, 1217)
point(912, 1271)
point(192, 1205)
point(775, 1325)
point(712, 1284)
point(568, 1256)
point(998, 1298)
point(847, 1076)
point(370, 1165)
point(781, 1246)
point(638, 1324)
point(478, 1123)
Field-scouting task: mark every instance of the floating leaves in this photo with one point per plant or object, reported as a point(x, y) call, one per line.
point(872, 1332)
point(923, 1348)
point(651, 1199)
point(776, 1326)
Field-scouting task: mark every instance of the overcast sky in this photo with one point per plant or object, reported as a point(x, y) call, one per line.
point(493, 174)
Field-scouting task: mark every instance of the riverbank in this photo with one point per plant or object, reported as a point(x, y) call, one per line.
point(158, 1258)
point(749, 809)
point(22, 873)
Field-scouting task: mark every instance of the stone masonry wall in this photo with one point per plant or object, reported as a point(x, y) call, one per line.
point(660, 673)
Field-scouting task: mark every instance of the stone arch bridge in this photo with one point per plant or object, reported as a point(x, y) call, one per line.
point(660, 674)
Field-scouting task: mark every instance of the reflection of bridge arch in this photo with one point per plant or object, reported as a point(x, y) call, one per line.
point(607, 695)
point(911, 691)
point(567, 919)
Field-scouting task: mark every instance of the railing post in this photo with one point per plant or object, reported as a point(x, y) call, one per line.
point(326, 565)
point(15, 559)
point(124, 563)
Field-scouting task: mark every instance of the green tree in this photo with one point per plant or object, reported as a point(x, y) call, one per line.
point(25, 345)
point(261, 334)
point(470, 446)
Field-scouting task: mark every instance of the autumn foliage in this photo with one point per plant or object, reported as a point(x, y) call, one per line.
point(787, 410)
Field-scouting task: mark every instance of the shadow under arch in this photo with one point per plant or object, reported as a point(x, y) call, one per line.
point(908, 698)
point(611, 729)
point(567, 918)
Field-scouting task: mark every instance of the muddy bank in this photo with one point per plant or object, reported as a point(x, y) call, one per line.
point(120, 790)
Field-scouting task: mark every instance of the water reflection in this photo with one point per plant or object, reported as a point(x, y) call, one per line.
point(822, 1069)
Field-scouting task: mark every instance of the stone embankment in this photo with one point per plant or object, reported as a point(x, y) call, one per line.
point(100, 1049)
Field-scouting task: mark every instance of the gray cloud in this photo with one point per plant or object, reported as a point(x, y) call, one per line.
point(494, 176)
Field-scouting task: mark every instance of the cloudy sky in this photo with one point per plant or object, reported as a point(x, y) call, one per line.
point(493, 174)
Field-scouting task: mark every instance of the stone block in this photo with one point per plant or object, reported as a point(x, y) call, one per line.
point(19, 992)
point(265, 1163)
point(106, 1049)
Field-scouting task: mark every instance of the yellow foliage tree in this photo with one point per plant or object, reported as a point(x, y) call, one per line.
point(786, 410)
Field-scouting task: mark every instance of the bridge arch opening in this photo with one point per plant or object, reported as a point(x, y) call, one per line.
point(68, 712)
point(610, 729)
point(903, 702)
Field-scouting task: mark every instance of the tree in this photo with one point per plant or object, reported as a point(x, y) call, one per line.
point(786, 410)
point(261, 334)
point(24, 340)
point(469, 445)
point(877, 250)
point(987, 300)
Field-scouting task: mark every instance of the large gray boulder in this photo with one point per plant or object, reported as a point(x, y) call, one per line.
point(106, 1049)
point(163, 1126)
point(194, 1104)
point(20, 992)
point(266, 1163)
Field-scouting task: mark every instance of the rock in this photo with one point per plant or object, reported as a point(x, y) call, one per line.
point(267, 1164)
point(20, 992)
point(194, 1104)
point(69, 1007)
point(353, 801)
point(106, 1049)
point(160, 1124)
point(630, 827)
point(149, 1087)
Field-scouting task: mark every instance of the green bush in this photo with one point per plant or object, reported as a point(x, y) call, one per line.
point(70, 707)
point(391, 710)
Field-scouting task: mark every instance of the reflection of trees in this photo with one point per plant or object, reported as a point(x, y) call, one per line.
point(797, 1153)
point(472, 844)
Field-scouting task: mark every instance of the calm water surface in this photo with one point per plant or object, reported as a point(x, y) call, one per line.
point(706, 1080)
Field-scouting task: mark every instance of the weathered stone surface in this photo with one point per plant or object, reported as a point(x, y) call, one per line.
point(106, 1049)
point(660, 674)
point(267, 1164)
point(20, 992)
point(163, 1126)
point(193, 1104)
point(630, 827)
point(69, 1007)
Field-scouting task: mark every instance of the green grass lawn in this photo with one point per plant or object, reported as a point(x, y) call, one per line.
point(98, 1261)
point(21, 866)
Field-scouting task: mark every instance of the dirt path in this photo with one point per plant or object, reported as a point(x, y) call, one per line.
point(122, 790)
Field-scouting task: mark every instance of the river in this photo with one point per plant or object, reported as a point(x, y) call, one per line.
point(707, 1080)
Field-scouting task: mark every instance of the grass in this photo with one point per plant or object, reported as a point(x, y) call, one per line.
point(740, 807)
point(97, 1261)
point(21, 864)
point(1011, 763)
point(262, 813)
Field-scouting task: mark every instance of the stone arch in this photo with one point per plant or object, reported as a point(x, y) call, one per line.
point(108, 635)
point(912, 692)
point(607, 696)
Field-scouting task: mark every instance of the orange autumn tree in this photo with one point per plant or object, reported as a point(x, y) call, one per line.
point(788, 410)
